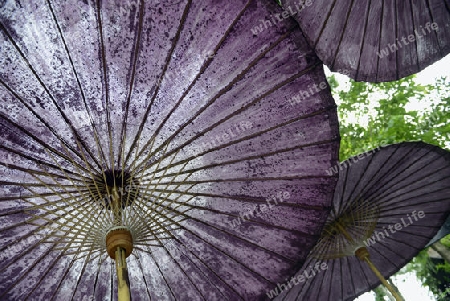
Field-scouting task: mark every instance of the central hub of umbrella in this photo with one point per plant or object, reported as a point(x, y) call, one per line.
point(346, 231)
point(114, 189)
point(119, 238)
point(119, 245)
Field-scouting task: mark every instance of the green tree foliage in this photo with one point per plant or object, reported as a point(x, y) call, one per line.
point(371, 115)
point(434, 273)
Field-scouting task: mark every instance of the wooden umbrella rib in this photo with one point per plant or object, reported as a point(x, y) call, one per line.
point(344, 30)
point(29, 172)
point(179, 266)
point(252, 200)
point(147, 286)
point(26, 184)
point(163, 72)
point(193, 264)
point(399, 172)
point(43, 276)
point(199, 73)
point(146, 189)
point(343, 206)
point(380, 194)
point(103, 260)
point(22, 129)
point(324, 25)
point(226, 232)
point(388, 201)
point(373, 178)
point(362, 48)
point(85, 261)
point(33, 137)
point(223, 91)
point(67, 213)
point(248, 137)
point(35, 160)
point(135, 56)
point(255, 157)
point(217, 211)
point(417, 44)
point(397, 59)
point(61, 112)
point(105, 82)
point(379, 39)
point(75, 258)
point(161, 273)
point(216, 96)
point(435, 35)
point(159, 216)
point(91, 193)
point(33, 265)
point(150, 215)
point(83, 97)
point(388, 258)
point(212, 270)
point(94, 221)
point(244, 179)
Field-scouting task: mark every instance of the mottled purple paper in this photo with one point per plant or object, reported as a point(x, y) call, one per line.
point(375, 41)
point(410, 184)
point(220, 122)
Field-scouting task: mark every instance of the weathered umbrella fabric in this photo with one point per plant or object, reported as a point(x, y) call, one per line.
point(373, 41)
point(391, 201)
point(215, 140)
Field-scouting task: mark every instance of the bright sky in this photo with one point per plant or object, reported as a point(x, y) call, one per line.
point(408, 284)
point(427, 76)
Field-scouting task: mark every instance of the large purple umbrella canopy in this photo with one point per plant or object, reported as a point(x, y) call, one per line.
point(391, 201)
point(216, 141)
point(374, 41)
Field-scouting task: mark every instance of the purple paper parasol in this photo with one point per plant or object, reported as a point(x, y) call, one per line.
point(388, 204)
point(374, 41)
point(165, 132)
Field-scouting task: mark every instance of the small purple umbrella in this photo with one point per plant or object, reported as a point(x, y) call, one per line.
point(165, 132)
point(388, 204)
point(374, 41)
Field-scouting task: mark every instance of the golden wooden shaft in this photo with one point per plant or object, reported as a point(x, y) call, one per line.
point(344, 232)
point(123, 282)
point(385, 283)
point(117, 206)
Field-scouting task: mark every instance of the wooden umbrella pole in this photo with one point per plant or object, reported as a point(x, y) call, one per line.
point(344, 232)
point(119, 245)
point(363, 254)
point(123, 282)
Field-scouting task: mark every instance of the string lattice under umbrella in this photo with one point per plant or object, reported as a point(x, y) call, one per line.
point(375, 41)
point(388, 203)
point(160, 135)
